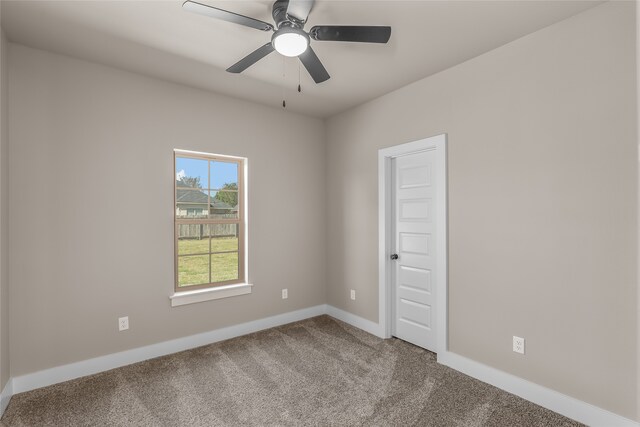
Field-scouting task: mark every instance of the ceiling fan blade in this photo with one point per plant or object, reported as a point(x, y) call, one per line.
point(313, 65)
point(225, 15)
point(300, 9)
point(251, 59)
point(348, 33)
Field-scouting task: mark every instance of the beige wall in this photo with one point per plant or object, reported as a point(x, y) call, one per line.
point(638, 241)
point(542, 209)
point(4, 218)
point(542, 203)
point(91, 196)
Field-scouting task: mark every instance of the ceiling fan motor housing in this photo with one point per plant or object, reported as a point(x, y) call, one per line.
point(289, 38)
point(280, 16)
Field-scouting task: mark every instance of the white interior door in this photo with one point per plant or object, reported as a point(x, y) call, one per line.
point(414, 252)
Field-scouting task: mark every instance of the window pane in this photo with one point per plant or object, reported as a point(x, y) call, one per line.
point(193, 239)
point(193, 270)
point(224, 237)
point(224, 267)
point(207, 190)
point(192, 173)
point(224, 175)
point(224, 204)
point(191, 203)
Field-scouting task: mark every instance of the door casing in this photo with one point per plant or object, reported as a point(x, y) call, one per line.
point(385, 227)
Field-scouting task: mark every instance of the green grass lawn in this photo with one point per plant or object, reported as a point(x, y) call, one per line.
point(194, 270)
point(201, 246)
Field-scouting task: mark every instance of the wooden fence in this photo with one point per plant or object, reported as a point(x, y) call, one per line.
point(199, 231)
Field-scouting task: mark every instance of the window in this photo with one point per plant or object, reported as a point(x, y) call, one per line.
point(209, 220)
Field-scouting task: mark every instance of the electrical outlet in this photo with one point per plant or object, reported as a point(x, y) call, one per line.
point(285, 294)
point(123, 323)
point(518, 344)
point(353, 294)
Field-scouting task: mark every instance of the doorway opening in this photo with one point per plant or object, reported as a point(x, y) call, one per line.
point(412, 249)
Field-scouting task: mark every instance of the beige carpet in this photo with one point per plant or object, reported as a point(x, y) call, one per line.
point(316, 372)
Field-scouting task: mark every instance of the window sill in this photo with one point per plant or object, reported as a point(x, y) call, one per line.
point(200, 295)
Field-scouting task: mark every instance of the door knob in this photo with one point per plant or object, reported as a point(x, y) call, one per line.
point(394, 256)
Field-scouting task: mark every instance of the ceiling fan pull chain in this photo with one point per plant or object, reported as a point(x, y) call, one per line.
point(284, 102)
point(299, 87)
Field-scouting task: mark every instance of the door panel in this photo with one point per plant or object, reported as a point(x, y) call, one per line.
point(414, 312)
point(414, 226)
point(417, 278)
point(414, 243)
point(415, 210)
point(414, 176)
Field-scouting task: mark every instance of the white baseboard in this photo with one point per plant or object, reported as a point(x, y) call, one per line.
point(5, 396)
point(550, 399)
point(104, 363)
point(545, 397)
point(357, 321)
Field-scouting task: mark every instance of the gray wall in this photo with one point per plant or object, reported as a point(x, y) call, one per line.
point(542, 203)
point(85, 140)
point(4, 217)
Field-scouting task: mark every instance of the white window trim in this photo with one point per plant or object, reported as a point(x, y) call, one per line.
point(200, 295)
point(207, 294)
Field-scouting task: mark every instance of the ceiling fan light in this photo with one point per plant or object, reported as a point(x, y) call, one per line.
point(290, 43)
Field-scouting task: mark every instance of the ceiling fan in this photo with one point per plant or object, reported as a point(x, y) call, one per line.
point(289, 37)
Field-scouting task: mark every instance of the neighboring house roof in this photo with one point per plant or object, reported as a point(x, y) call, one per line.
point(196, 196)
point(191, 196)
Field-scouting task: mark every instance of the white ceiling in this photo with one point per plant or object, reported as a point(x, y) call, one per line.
point(159, 39)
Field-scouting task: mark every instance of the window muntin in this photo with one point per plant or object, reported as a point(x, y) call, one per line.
point(209, 227)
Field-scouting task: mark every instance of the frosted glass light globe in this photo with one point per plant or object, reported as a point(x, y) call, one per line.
point(290, 44)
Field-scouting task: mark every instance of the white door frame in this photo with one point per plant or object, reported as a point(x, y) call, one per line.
point(385, 206)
